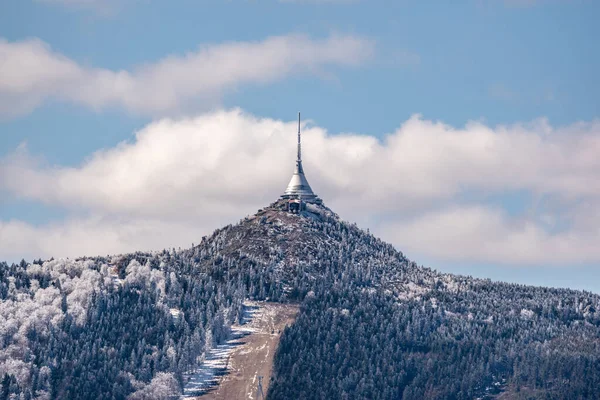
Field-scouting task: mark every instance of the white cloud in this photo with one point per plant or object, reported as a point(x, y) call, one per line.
point(93, 235)
point(478, 233)
point(31, 72)
point(425, 187)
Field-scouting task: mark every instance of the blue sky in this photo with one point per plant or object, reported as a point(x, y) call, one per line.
point(529, 66)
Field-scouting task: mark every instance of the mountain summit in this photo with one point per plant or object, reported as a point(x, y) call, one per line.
point(376, 325)
point(372, 324)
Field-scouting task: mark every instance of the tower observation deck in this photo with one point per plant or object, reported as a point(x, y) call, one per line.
point(298, 188)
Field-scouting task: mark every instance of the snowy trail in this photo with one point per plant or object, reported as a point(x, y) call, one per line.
point(207, 375)
point(231, 370)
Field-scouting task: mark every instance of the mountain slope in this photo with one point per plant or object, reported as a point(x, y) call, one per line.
point(372, 325)
point(300, 248)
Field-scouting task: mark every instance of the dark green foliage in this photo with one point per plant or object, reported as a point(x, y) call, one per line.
point(373, 325)
point(128, 333)
point(353, 344)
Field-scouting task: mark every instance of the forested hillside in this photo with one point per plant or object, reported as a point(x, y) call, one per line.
point(372, 323)
point(364, 344)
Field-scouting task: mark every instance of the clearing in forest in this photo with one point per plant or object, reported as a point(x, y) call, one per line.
point(232, 370)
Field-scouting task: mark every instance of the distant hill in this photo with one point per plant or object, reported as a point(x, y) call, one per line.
point(372, 325)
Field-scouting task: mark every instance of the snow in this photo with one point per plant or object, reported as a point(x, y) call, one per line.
point(527, 313)
point(411, 290)
point(216, 362)
point(114, 275)
point(451, 284)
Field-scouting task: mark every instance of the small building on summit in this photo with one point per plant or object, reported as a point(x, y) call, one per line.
point(298, 191)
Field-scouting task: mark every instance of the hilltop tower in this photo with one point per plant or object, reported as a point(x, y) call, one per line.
point(298, 191)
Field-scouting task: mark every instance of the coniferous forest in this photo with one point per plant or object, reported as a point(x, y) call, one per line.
point(372, 325)
point(353, 344)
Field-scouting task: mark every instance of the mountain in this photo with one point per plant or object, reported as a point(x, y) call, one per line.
point(372, 324)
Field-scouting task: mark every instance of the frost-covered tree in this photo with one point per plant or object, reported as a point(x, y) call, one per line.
point(372, 323)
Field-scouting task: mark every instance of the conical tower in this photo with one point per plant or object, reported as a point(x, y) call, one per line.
point(298, 188)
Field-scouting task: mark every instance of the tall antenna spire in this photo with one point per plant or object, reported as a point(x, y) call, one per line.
point(298, 188)
point(299, 145)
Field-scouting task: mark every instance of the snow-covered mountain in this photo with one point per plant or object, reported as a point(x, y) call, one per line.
point(372, 323)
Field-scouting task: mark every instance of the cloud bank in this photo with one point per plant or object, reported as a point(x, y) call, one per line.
point(429, 188)
point(31, 73)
